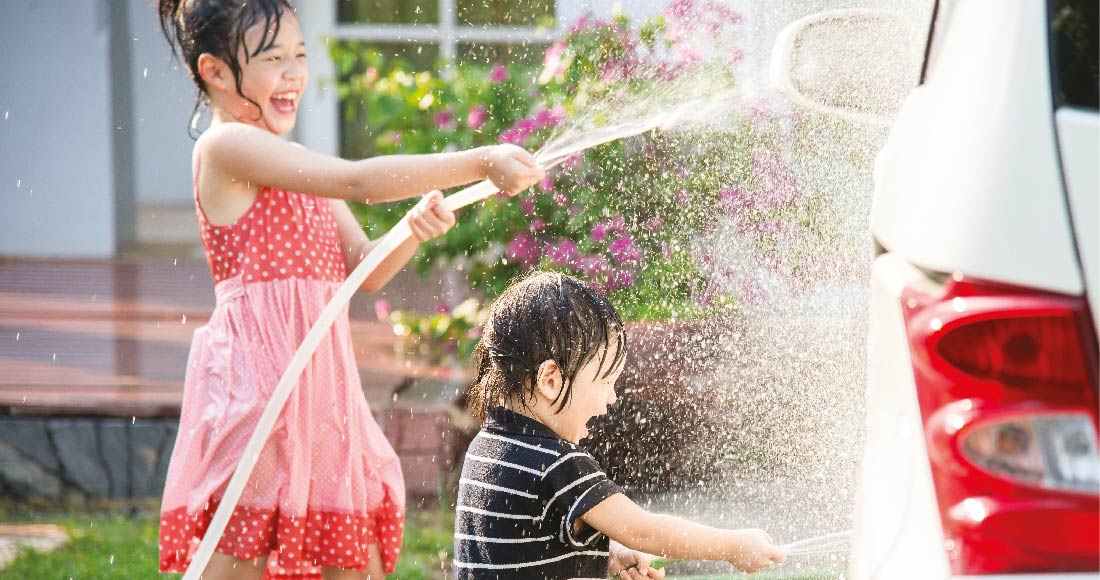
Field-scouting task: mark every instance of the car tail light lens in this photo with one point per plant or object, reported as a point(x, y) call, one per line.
point(1054, 452)
point(1007, 385)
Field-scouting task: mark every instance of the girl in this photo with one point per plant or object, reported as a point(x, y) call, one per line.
point(326, 495)
point(533, 505)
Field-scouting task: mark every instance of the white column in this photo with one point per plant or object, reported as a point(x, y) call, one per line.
point(318, 125)
point(448, 14)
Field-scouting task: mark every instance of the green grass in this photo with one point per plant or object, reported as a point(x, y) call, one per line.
point(771, 575)
point(111, 546)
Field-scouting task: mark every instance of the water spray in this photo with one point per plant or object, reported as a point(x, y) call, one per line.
point(834, 543)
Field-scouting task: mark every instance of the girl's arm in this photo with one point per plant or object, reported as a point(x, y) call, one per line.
point(243, 154)
point(427, 220)
point(628, 524)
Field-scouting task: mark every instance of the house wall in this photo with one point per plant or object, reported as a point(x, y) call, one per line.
point(55, 130)
point(164, 97)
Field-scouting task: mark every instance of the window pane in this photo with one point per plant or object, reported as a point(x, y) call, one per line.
point(530, 53)
point(389, 11)
point(1076, 49)
point(511, 12)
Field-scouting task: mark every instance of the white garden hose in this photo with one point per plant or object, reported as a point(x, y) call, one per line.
point(551, 155)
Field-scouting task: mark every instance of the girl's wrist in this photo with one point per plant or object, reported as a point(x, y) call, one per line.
point(481, 157)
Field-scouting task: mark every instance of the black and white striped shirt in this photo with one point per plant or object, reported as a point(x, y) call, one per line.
point(522, 490)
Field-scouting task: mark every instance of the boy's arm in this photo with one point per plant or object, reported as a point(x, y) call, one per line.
point(245, 154)
point(624, 521)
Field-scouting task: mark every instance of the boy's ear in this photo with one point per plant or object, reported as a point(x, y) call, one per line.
point(548, 382)
point(214, 72)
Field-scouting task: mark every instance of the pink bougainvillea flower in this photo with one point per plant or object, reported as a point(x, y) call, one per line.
point(442, 307)
point(553, 65)
point(538, 224)
point(445, 120)
point(599, 231)
point(561, 253)
point(683, 197)
point(733, 201)
point(735, 56)
point(369, 77)
point(585, 22)
point(561, 199)
point(527, 204)
point(617, 224)
point(778, 184)
point(619, 278)
point(523, 249)
point(519, 131)
point(546, 183)
point(477, 116)
point(625, 250)
point(382, 309)
point(592, 266)
point(654, 224)
point(752, 292)
point(499, 74)
point(688, 52)
point(679, 9)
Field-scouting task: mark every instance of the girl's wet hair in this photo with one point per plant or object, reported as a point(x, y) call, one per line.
point(193, 27)
point(545, 316)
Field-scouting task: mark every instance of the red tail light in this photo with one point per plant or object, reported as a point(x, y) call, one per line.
point(1007, 385)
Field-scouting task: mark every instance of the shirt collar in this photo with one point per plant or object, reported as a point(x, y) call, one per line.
point(504, 420)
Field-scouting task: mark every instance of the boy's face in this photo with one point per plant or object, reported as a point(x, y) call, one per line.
point(592, 394)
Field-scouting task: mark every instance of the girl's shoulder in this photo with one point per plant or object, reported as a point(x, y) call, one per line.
point(229, 135)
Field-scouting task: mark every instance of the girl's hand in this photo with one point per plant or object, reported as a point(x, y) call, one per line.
point(511, 168)
point(429, 219)
point(753, 550)
point(631, 564)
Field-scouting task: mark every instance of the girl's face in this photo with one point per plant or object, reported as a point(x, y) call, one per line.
point(274, 79)
point(592, 394)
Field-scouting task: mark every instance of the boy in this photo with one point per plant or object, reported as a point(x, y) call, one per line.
point(531, 503)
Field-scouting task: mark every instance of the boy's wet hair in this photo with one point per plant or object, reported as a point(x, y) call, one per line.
point(193, 27)
point(544, 316)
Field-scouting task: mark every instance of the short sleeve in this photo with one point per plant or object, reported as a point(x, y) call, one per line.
point(575, 483)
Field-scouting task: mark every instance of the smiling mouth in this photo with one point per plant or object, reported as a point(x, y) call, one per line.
point(285, 103)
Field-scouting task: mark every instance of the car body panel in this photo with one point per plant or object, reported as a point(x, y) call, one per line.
point(898, 534)
point(969, 179)
point(1079, 144)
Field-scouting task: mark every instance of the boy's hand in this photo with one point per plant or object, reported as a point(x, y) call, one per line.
point(429, 219)
point(631, 564)
point(753, 550)
point(511, 168)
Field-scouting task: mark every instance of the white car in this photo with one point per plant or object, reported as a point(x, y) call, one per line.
point(981, 444)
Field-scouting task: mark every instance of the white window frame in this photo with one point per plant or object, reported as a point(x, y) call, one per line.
point(318, 126)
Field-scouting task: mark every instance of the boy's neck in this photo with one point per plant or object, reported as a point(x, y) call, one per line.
point(537, 410)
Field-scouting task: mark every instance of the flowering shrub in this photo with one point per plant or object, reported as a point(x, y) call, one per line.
point(628, 215)
point(447, 334)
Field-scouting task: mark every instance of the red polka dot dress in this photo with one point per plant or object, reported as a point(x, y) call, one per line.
point(327, 484)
